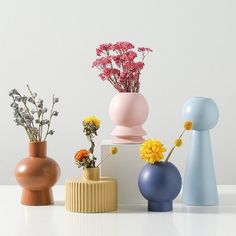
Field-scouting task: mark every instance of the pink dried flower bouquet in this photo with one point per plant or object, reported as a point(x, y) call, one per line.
point(117, 64)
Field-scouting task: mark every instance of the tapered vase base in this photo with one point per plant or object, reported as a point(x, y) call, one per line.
point(160, 206)
point(37, 198)
point(200, 203)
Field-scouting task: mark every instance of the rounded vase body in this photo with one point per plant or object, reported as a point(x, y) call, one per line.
point(160, 184)
point(37, 174)
point(128, 111)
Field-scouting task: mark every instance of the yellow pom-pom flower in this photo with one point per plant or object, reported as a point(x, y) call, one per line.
point(152, 151)
point(92, 120)
point(188, 125)
point(178, 142)
point(113, 150)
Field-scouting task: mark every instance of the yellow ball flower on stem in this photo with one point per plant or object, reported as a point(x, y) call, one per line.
point(188, 125)
point(152, 151)
point(92, 120)
point(178, 142)
point(113, 150)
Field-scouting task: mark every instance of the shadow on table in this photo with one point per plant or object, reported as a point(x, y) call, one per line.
point(206, 210)
point(132, 209)
point(227, 205)
point(59, 203)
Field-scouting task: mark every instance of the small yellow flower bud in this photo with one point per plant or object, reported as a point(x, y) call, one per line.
point(188, 125)
point(113, 150)
point(178, 142)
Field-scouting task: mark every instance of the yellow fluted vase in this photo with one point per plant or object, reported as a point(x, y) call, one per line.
point(91, 193)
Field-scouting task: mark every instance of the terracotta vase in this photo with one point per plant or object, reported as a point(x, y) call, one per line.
point(128, 111)
point(37, 173)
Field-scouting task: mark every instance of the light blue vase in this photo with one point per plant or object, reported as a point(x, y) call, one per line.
point(199, 188)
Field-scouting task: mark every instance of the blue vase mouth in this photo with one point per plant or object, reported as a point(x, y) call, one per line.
point(163, 206)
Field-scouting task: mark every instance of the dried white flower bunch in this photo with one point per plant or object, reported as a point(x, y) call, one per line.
point(30, 113)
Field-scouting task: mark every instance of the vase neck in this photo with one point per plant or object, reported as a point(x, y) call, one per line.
point(91, 174)
point(38, 149)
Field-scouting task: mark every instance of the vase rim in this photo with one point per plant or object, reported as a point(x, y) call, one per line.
point(201, 98)
point(160, 163)
point(129, 92)
point(38, 149)
point(92, 173)
point(96, 167)
point(34, 142)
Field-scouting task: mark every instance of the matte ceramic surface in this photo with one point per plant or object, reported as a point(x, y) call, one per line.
point(128, 191)
point(128, 111)
point(160, 184)
point(37, 174)
point(91, 193)
point(91, 173)
point(199, 186)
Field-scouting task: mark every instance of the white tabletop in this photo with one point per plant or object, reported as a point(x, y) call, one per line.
point(130, 220)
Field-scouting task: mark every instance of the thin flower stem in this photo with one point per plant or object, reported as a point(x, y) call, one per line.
point(173, 148)
point(182, 133)
point(41, 126)
point(91, 149)
point(50, 119)
point(26, 130)
point(168, 157)
point(117, 86)
point(104, 159)
point(34, 101)
point(28, 111)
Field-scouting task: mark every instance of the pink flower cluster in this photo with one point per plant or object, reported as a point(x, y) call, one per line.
point(117, 64)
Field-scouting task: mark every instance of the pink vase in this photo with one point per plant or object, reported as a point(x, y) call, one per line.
point(128, 111)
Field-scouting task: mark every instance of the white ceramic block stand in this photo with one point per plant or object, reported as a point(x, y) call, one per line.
point(124, 167)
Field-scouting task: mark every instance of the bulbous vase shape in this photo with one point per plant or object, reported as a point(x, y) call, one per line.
point(160, 184)
point(128, 112)
point(37, 173)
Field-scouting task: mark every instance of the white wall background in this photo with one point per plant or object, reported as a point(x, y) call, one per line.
point(50, 44)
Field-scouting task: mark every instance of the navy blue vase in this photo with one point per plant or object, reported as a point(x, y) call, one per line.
point(160, 184)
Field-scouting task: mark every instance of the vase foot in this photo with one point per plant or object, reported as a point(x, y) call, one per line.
point(160, 206)
point(130, 139)
point(37, 198)
point(125, 134)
